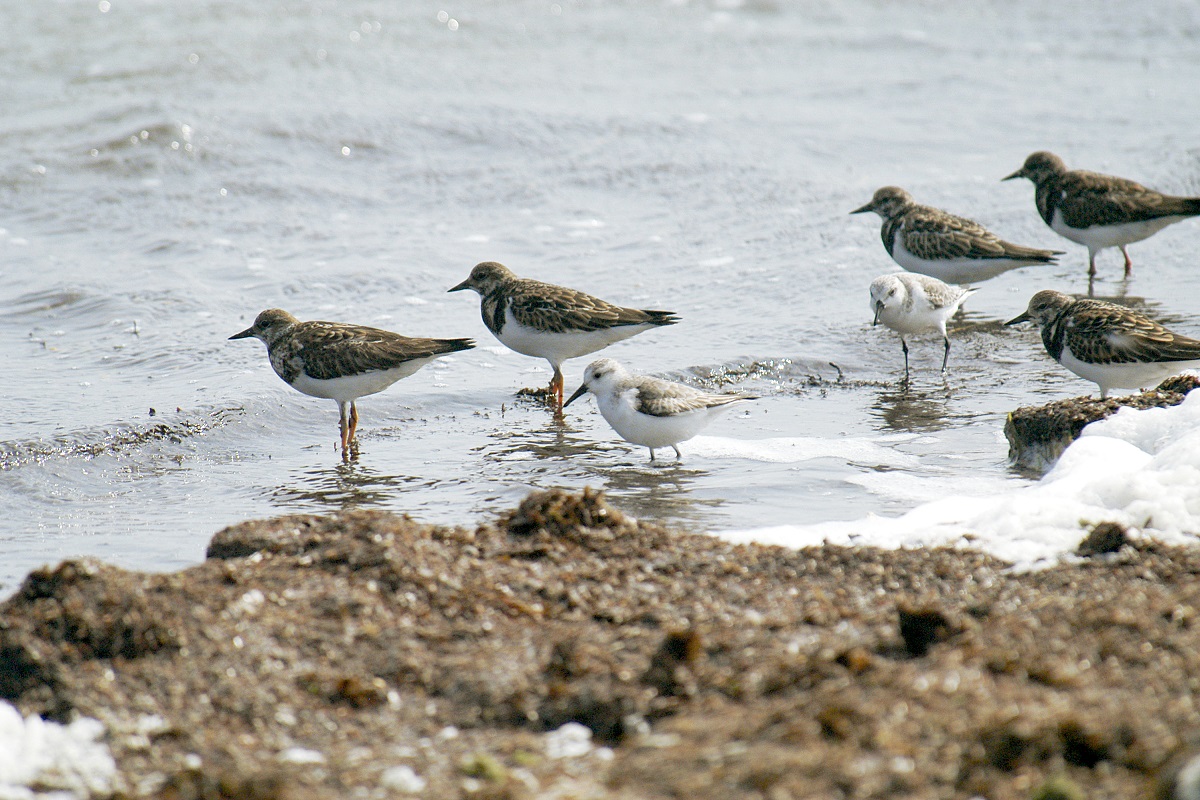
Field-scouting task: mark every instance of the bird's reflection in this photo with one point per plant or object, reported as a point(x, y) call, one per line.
point(546, 439)
point(657, 492)
point(902, 408)
point(343, 486)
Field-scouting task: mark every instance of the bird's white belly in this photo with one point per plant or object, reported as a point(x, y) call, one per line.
point(916, 320)
point(1098, 237)
point(651, 431)
point(1125, 376)
point(350, 387)
point(954, 270)
point(558, 347)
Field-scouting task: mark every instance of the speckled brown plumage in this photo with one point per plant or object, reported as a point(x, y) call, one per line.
point(342, 362)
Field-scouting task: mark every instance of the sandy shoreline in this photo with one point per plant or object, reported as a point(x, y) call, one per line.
point(367, 655)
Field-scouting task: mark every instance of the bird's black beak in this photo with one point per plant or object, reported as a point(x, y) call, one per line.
point(244, 334)
point(464, 285)
point(878, 311)
point(864, 209)
point(1019, 319)
point(1018, 174)
point(582, 390)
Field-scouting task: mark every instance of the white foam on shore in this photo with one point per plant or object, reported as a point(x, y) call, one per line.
point(45, 759)
point(1138, 468)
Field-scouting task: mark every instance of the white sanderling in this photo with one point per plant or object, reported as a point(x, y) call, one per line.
point(651, 412)
point(911, 303)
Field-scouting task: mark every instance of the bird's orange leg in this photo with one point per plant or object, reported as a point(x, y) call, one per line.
point(556, 388)
point(1128, 262)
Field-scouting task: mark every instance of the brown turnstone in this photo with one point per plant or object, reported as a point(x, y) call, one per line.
point(552, 322)
point(650, 411)
point(910, 303)
point(953, 249)
point(1110, 345)
point(1100, 211)
point(342, 362)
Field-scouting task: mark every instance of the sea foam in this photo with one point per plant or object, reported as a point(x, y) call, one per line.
point(1139, 468)
point(45, 759)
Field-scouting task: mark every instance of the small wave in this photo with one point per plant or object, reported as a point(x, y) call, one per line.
point(41, 302)
point(792, 450)
point(113, 441)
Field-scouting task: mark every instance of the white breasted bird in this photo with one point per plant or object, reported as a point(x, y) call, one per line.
point(552, 322)
point(342, 362)
point(910, 303)
point(1110, 345)
point(651, 412)
point(1099, 211)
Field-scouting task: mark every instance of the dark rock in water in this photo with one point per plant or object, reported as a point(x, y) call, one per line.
point(1104, 537)
point(1037, 435)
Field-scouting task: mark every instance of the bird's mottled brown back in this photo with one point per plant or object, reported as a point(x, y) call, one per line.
point(327, 350)
point(1086, 199)
point(1106, 333)
point(557, 309)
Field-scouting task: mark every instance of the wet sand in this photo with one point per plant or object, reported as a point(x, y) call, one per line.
point(368, 655)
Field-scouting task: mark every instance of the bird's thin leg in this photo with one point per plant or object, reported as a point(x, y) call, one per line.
point(556, 388)
point(353, 421)
point(651, 449)
point(946, 357)
point(1092, 263)
point(1128, 262)
point(344, 424)
point(678, 454)
point(904, 347)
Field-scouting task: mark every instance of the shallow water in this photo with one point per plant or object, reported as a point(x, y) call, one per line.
point(168, 170)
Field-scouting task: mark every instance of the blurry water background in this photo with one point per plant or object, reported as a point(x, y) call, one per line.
point(169, 169)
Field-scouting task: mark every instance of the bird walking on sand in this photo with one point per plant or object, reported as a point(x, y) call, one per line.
point(938, 244)
point(552, 322)
point(647, 411)
point(1100, 211)
point(1110, 345)
point(342, 362)
point(910, 303)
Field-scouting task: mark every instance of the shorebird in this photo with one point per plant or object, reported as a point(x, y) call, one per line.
point(651, 412)
point(552, 322)
point(938, 244)
point(342, 362)
point(1110, 345)
point(909, 303)
point(1100, 211)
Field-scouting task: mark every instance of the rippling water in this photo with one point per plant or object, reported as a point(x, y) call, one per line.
point(167, 170)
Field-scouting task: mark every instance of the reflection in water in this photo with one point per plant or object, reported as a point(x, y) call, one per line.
point(658, 492)
point(911, 411)
point(343, 486)
point(551, 439)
